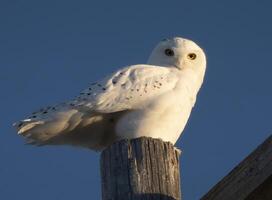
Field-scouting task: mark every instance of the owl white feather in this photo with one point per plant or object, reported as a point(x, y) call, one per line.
point(153, 100)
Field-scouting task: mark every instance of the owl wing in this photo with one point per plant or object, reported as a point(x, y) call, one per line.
point(128, 88)
point(67, 123)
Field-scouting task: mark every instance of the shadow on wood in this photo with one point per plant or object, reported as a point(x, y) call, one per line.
point(263, 192)
point(142, 168)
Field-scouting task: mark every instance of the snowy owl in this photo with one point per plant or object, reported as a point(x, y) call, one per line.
point(153, 100)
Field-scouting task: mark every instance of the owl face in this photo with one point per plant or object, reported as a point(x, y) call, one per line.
point(179, 53)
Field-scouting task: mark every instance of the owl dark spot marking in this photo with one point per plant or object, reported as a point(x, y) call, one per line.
point(114, 82)
point(141, 95)
point(138, 90)
point(21, 124)
point(71, 104)
point(123, 85)
point(127, 98)
point(99, 85)
point(90, 88)
point(34, 116)
point(103, 88)
point(53, 108)
point(165, 39)
point(146, 85)
point(82, 93)
point(45, 112)
point(121, 73)
point(160, 84)
point(161, 77)
point(132, 90)
point(89, 94)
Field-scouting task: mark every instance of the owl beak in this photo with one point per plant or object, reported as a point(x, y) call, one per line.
point(179, 64)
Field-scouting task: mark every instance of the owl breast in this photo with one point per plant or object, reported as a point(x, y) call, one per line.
point(165, 117)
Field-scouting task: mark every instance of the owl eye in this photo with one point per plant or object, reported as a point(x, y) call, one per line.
point(169, 52)
point(191, 56)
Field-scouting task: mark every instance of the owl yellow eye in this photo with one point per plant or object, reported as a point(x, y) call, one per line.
point(191, 56)
point(169, 52)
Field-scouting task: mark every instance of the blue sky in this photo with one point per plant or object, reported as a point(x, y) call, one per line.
point(51, 50)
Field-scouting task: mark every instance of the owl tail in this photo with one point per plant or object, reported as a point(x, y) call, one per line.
point(40, 130)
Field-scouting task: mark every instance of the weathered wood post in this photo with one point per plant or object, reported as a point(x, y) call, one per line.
point(140, 169)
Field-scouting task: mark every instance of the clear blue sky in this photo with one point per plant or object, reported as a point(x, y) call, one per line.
point(51, 50)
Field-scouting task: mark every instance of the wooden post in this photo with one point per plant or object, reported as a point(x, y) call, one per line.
point(140, 169)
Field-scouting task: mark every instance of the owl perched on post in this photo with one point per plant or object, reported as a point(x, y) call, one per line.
point(153, 100)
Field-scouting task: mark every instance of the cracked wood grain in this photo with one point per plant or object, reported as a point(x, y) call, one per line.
point(140, 169)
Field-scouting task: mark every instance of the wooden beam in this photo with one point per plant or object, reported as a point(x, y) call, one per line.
point(252, 177)
point(263, 192)
point(140, 169)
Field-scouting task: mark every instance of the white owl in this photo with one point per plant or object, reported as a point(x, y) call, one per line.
point(153, 100)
